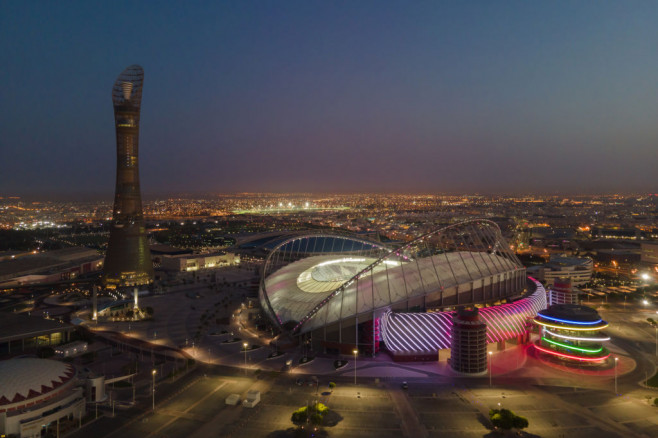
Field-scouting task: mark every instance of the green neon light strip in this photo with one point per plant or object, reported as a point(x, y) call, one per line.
point(571, 347)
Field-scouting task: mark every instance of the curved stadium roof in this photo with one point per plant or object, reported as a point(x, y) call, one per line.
point(30, 378)
point(307, 287)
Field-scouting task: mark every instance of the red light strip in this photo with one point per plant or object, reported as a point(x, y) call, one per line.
point(569, 356)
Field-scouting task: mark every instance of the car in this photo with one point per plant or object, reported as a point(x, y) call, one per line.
point(405, 385)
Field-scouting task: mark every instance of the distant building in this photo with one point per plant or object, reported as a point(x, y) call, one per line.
point(195, 262)
point(622, 256)
point(159, 250)
point(579, 270)
point(37, 393)
point(49, 267)
point(128, 259)
point(649, 254)
point(19, 333)
point(616, 233)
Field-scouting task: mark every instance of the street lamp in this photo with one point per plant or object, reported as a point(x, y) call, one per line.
point(356, 352)
point(616, 359)
point(245, 345)
point(153, 373)
point(490, 364)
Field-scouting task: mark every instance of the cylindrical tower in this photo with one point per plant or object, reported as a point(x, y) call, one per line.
point(572, 333)
point(128, 258)
point(469, 342)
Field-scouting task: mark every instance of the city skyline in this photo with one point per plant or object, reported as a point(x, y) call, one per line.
point(335, 98)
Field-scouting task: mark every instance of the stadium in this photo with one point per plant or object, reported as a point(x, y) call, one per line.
point(339, 292)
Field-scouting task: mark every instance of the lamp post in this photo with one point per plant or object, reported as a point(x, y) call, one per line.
point(245, 356)
point(153, 392)
point(356, 353)
point(616, 359)
point(656, 327)
point(490, 364)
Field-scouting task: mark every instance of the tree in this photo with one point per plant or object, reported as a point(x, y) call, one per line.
point(300, 416)
point(520, 422)
point(506, 419)
point(315, 414)
point(332, 385)
point(501, 418)
point(316, 419)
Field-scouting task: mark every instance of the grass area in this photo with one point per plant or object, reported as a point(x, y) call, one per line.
point(653, 381)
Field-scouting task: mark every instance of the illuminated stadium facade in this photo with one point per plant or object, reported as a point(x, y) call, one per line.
point(340, 291)
point(573, 334)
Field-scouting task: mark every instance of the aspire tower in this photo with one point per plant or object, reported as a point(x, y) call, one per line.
point(128, 259)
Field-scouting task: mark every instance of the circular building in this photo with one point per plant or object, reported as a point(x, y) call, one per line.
point(469, 343)
point(572, 333)
point(341, 292)
point(35, 393)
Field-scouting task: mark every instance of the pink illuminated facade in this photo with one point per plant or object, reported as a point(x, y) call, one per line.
point(419, 336)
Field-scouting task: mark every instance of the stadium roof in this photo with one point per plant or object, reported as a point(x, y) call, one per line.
point(26, 378)
point(311, 288)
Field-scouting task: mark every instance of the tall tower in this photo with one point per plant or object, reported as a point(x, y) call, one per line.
point(128, 259)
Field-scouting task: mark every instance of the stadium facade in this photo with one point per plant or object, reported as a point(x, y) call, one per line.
point(128, 259)
point(341, 292)
point(573, 334)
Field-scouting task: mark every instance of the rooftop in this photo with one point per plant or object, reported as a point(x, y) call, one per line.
point(17, 326)
point(26, 378)
point(572, 312)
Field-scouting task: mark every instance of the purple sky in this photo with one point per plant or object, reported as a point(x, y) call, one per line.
point(387, 96)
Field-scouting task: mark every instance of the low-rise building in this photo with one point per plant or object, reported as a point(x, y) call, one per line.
point(579, 270)
point(36, 394)
point(19, 333)
point(49, 267)
point(195, 262)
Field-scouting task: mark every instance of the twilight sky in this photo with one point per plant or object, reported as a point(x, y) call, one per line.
point(354, 96)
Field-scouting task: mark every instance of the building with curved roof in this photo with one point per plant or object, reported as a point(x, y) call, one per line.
point(36, 392)
point(336, 289)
